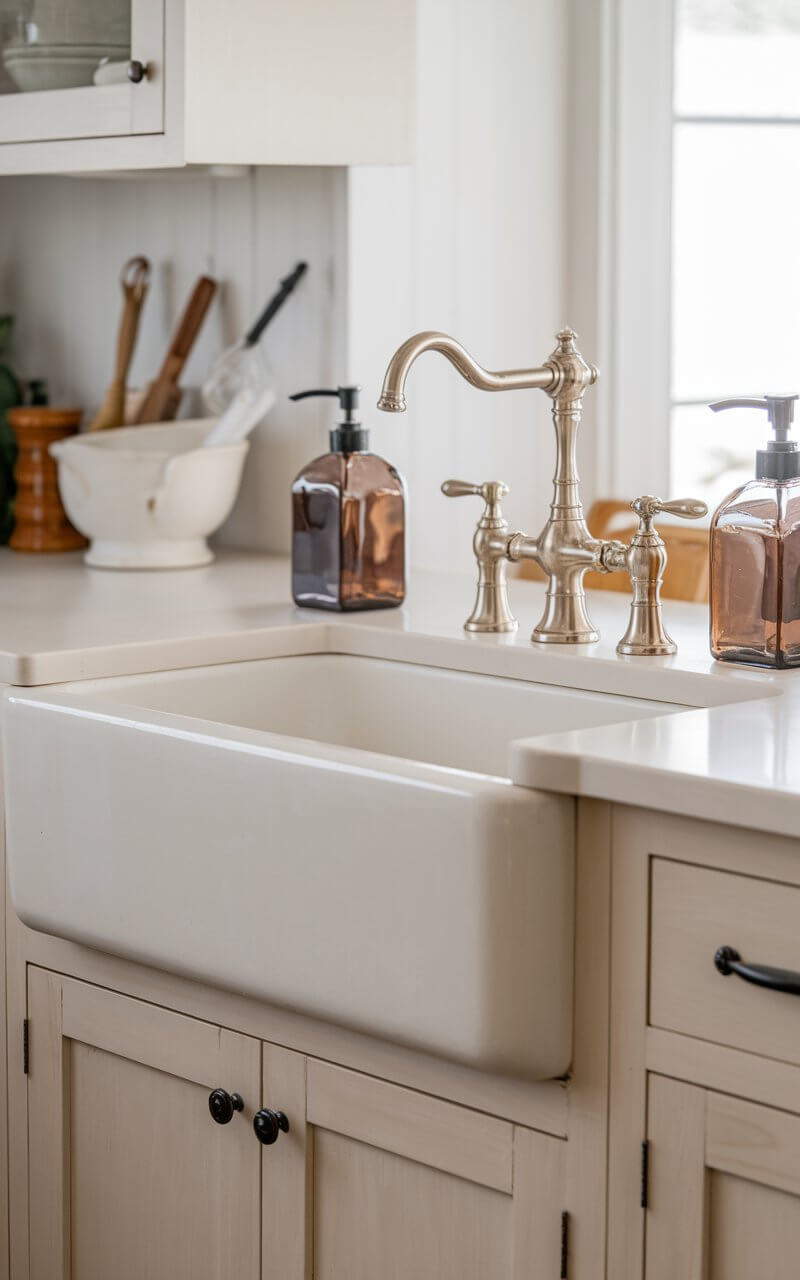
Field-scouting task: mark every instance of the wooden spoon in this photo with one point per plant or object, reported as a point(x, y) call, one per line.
point(163, 396)
point(134, 279)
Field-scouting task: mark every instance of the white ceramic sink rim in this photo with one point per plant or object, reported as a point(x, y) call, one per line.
point(335, 683)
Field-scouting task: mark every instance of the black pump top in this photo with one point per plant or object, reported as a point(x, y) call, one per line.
point(348, 436)
point(781, 459)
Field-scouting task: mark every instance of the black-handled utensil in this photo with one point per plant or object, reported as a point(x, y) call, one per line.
point(274, 305)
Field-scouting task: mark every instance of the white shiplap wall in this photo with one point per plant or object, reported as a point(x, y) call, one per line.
point(471, 241)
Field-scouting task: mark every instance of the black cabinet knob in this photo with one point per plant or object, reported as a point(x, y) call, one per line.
point(269, 1125)
point(137, 71)
point(222, 1105)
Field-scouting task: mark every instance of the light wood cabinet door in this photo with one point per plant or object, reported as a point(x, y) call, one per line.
point(129, 1175)
point(373, 1180)
point(724, 1198)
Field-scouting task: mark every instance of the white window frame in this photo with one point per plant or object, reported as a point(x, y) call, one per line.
point(641, 255)
point(630, 110)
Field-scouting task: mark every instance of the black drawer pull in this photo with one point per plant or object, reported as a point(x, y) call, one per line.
point(728, 961)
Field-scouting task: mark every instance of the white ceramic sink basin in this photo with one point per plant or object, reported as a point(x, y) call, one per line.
point(333, 834)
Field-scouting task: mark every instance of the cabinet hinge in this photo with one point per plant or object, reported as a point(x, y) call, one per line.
point(645, 1175)
point(26, 1050)
point(564, 1272)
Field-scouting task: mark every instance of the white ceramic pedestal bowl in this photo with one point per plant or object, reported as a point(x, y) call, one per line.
point(148, 497)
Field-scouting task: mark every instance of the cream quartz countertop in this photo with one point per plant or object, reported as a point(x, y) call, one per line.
point(726, 758)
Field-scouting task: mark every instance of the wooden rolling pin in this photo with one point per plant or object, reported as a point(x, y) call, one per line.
point(163, 396)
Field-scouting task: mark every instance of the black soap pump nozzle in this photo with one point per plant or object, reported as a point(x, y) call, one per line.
point(781, 458)
point(349, 435)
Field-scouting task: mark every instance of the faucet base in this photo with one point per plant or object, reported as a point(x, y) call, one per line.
point(565, 620)
point(580, 637)
point(483, 628)
point(646, 636)
point(647, 650)
point(491, 612)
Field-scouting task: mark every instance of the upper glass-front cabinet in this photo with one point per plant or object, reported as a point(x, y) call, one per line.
point(73, 69)
point(99, 85)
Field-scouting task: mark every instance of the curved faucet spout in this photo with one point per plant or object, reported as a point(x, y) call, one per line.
point(392, 398)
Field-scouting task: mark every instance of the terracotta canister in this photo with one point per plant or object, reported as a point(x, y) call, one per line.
point(41, 521)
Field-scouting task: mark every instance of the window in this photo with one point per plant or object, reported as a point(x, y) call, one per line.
point(735, 231)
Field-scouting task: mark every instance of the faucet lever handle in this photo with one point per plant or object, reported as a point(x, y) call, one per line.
point(490, 545)
point(646, 507)
point(687, 508)
point(645, 560)
point(461, 489)
point(492, 492)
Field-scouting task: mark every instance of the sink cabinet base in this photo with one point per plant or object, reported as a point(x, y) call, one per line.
point(129, 1175)
point(394, 1164)
point(397, 1164)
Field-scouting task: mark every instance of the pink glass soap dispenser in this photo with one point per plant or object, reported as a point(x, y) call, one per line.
point(755, 551)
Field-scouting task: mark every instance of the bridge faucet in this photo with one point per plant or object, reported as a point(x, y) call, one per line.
point(564, 549)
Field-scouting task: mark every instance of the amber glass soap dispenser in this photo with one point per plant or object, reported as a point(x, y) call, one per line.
point(348, 521)
point(755, 552)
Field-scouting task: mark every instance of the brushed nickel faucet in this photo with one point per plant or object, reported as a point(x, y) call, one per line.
point(565, 548)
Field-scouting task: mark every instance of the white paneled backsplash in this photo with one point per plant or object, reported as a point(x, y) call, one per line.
point(65, 239)
point(471, 240)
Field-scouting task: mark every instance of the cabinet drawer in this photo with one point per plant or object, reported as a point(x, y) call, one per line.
point(694, 912)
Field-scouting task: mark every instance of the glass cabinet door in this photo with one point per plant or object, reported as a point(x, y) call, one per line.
point(80, 68)
point(52, 45)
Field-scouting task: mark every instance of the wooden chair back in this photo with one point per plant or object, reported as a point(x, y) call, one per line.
point(686, 577)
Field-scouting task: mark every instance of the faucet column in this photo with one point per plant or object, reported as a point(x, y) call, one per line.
point(574, 375)
point(565, 548)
